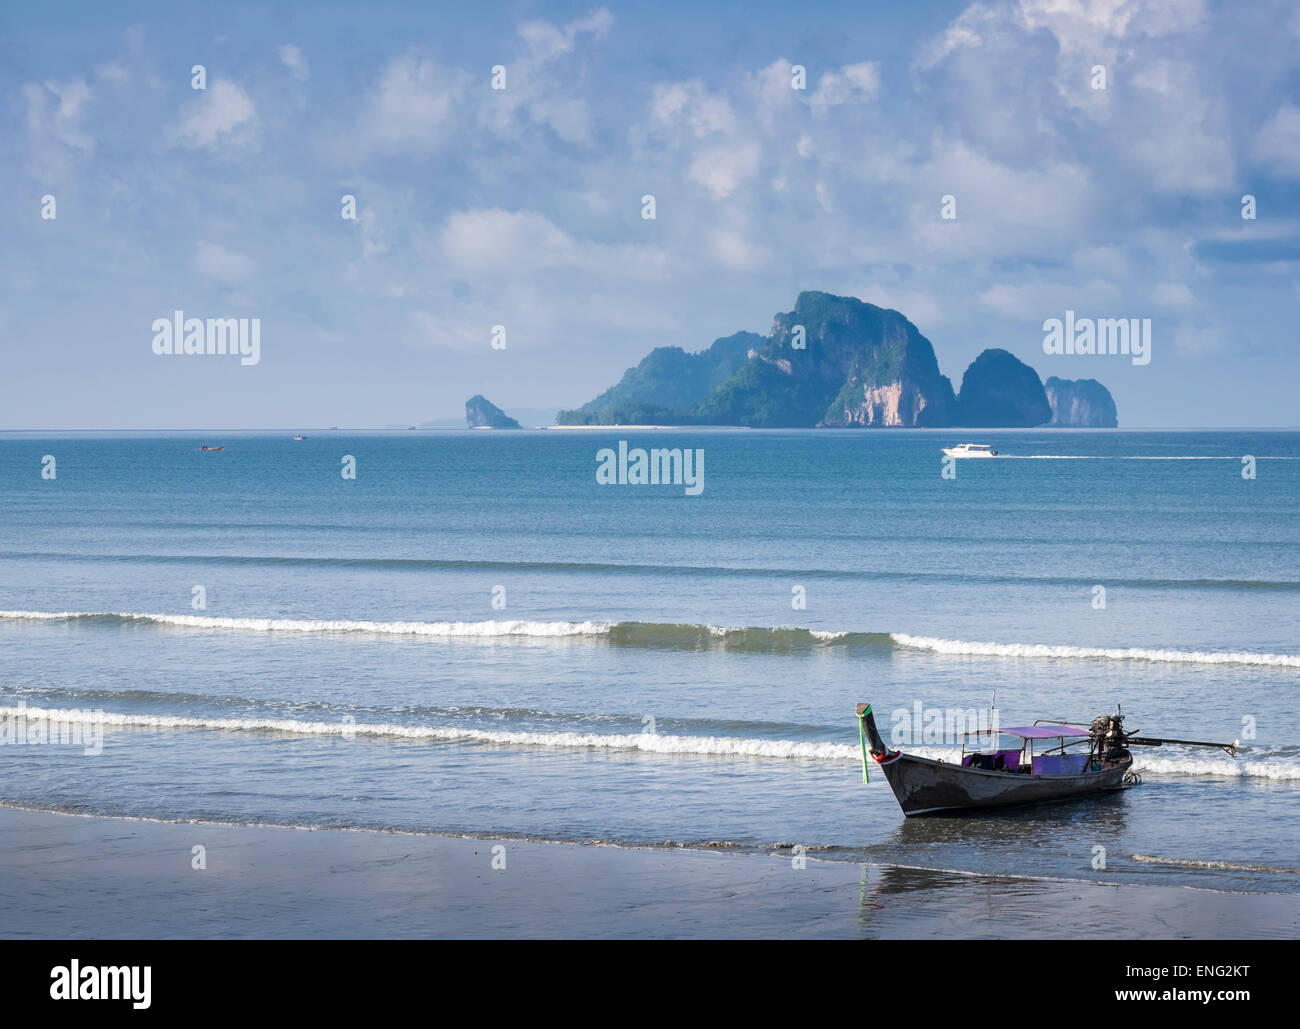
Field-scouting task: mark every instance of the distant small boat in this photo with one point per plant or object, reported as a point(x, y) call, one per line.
point(1003, 776)
point(971, 450)
point(214, 449)
point(300, 437)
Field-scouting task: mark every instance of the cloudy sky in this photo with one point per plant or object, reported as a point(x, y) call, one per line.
point(523, 207)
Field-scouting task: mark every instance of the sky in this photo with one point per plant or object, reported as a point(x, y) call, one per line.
point(523, 207)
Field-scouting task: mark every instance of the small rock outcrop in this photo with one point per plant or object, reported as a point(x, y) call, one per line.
point(1081, 403)
point(481, 413)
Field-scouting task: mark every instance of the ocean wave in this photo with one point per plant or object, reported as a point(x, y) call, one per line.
point(943, 578)
point(653, 743)
point(647, 743)
point(1048, 650)
point(652, 635)
point(314, 625)
point(1217, 866)
point(675, 636)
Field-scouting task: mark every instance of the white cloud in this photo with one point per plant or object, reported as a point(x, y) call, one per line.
point(968, 30)
point(733, 250)
point(1278, 141)
point(1107, 260)
point(692, 105)
point(293, 59)
point(1041, 300)
point(1014, 80)
point(1198, 339)
point(111, 71)
point(217, 262)
point(535, 90)
point(55, 110)
point(525, 242)
point(1173, 294)
point(412, 104)
point(373, 243)
point(723, 168)
point(496, 238)
point(448, 333)
point(222, 113)
point(566, 116)
point(546, 42)
point(851, 82)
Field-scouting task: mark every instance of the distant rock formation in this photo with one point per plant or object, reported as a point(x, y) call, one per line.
point(1081, 403)
point(666, 386)
point(1001, 391)
point(831, 362)
point(857, 365)
point(481, 413)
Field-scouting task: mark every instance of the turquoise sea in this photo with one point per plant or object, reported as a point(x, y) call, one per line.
point(473, 636)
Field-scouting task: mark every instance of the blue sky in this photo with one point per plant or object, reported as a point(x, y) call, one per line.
point(522, 207)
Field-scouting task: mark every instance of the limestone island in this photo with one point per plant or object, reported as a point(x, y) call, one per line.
point(837, 362)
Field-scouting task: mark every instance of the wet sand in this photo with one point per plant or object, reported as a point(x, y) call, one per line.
point(67, 876)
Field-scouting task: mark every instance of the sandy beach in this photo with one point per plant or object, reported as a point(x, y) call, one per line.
point(77, 877)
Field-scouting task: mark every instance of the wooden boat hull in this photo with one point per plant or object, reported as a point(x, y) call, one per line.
point(924, 786)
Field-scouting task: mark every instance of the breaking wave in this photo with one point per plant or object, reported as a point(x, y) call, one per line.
point(654, 635)
point(1049, 650)
point(648, 743)
point(674, 636)
point(314, 625)
point(655, 743)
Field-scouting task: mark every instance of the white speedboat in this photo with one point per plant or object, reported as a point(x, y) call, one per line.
point(970, 450)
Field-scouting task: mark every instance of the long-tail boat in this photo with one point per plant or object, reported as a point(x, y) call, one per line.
point(1004, 776)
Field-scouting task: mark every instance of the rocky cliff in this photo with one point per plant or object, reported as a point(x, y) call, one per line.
point(836, 361)
point(999, 390)
point(1082, 403)
point(666, 386)
point(832, 361)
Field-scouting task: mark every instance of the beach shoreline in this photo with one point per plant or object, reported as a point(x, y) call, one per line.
point(68, 876)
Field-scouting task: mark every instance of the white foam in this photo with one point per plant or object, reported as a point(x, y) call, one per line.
point(652, 743)
point(489, 628)
point(719, 746)
point(1192, 657)
point(1226, 766)
point(1227, 866)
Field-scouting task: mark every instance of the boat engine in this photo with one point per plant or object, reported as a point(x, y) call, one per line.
point(1108, 731)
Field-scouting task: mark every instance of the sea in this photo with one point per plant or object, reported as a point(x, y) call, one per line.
point(466, 633)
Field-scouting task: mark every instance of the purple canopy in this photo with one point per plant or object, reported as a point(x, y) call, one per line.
point(1042, 732)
